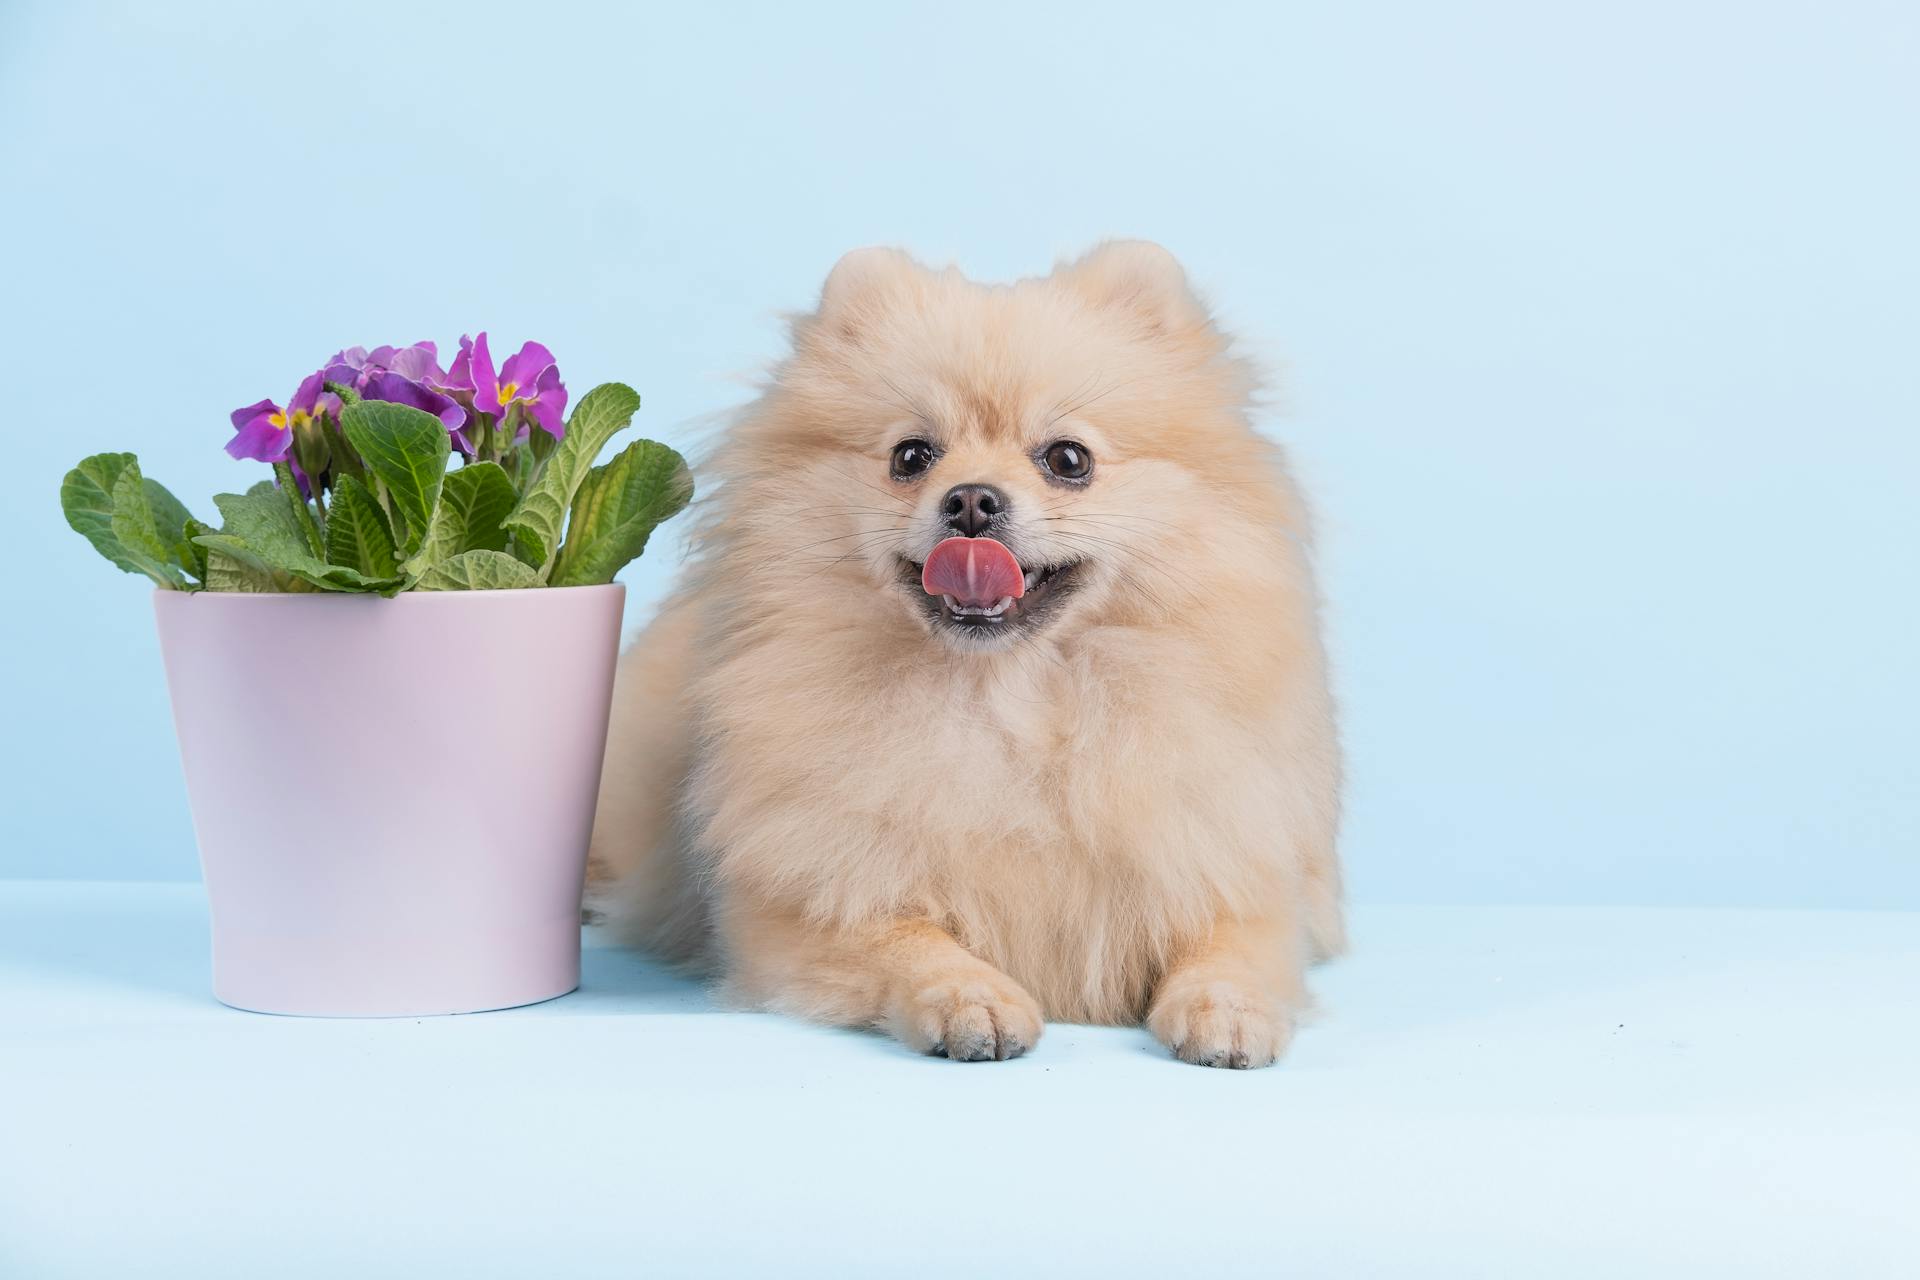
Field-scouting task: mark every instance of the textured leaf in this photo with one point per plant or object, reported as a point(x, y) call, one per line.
point(358, 535)
point(86, 496)
point(287, 485)
point(228, 571)
point(536, 523)
point(341, 459)
point(407, 450)
point(479, 571)
point(170, 515)
point(132, 521)
point(134, 529)
point(261, 527)
point(171, 520)
point(188, 552)
point(615, 510)
point(473, 502)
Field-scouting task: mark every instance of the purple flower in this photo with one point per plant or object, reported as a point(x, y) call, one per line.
point(419, 362)
point(355, 365)
point(264, 431)
point(401, 375)
point(529, 378)
point(260, 432)
point(485, 411)
point(394, 388)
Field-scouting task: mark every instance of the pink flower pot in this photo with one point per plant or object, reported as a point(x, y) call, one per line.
point(392, 797)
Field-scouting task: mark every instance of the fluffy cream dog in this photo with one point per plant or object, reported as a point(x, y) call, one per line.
point(995, 692)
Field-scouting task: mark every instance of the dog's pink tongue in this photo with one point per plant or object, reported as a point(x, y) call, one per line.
point(974, 571)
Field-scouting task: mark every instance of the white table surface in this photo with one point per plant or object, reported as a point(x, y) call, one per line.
point(1528, 1092)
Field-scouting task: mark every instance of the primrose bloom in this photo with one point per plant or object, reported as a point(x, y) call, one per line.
point(529, 378)
point(356, 366)
point(264, 431)
point(400, 375)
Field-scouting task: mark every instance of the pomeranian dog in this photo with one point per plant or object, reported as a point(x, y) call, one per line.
point(995, 691)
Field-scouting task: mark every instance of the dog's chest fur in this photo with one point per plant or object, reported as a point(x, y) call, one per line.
point(1064, 817)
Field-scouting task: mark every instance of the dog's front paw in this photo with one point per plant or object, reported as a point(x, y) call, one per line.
point(1220, 1024)
point(971, 1017)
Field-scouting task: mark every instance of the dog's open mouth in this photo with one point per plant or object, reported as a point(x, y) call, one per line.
point(975, 585)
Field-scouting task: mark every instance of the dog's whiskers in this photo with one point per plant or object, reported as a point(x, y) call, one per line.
point(867, 540)
point(899, 501)
point(858, 550)
point(907, 402)
point(1089, 401)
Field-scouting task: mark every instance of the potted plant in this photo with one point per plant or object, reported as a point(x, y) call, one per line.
point(391, 676)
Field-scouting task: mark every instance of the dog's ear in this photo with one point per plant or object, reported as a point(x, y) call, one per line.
point(864, 286)
point(1139, 279)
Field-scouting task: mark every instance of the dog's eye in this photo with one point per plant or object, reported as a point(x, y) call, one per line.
point(911, 458)
point(1067, 460)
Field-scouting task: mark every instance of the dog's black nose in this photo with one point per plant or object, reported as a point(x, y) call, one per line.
point(970, 508)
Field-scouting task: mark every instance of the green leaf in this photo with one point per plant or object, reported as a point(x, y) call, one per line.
point(132, 521)
point(170, 515)
point(289, 490)
point(341, 459)
point(358, 535)
point(188, 552)
point(172, 521)
point(262, 528)
point(135, 530)
point(473, 502)
point(86, 497)
point(406, 450)
point(241, 571)
point(479, 571)
point(617, 507)
point(537, 521)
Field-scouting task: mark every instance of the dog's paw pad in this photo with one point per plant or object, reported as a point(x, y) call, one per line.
point(1220, 1024)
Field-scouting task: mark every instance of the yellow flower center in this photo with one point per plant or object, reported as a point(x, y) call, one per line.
point(507, 392)
point(279, 420)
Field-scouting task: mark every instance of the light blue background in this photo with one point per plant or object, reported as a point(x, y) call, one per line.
point(1595, 327)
